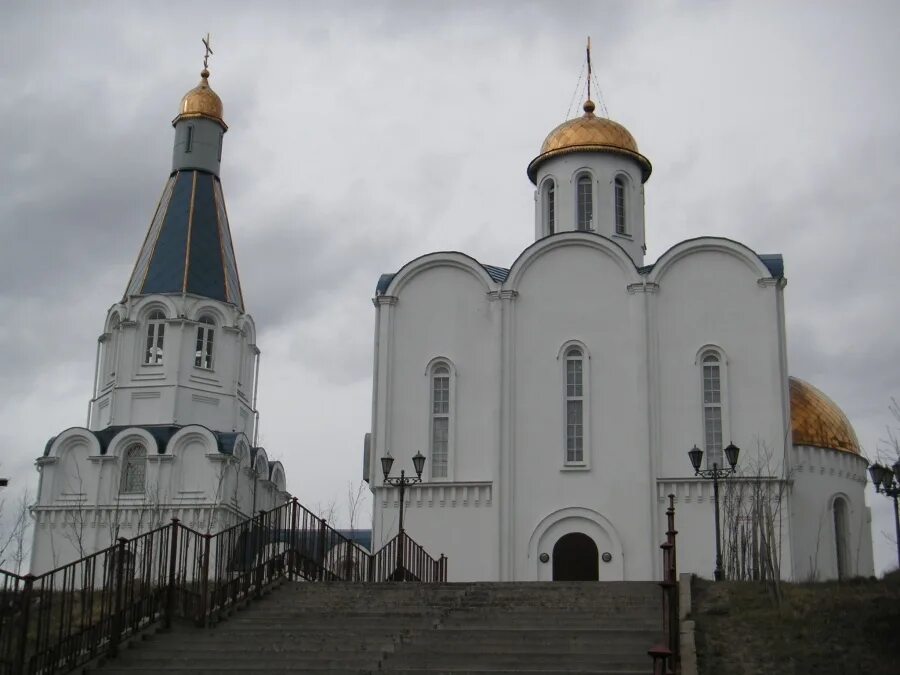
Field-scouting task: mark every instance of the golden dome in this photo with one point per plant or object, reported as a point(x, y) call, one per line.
point(816, 420)
point(201, 101)
point(589, 133)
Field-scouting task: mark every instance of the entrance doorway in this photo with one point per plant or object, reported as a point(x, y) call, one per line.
point(575, 558)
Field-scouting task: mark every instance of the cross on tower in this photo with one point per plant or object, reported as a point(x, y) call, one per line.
point(209, 51)
point(589, 67)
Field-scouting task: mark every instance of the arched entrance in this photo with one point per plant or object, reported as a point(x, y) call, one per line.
point(575, 558)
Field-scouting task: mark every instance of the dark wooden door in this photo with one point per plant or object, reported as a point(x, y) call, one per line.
point(575, 558)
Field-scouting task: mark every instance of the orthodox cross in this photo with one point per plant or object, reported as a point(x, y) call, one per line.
point(209, 51)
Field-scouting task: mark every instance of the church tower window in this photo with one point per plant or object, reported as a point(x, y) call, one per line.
point(549, 206)
point(585, 201)
point(620, 205)
point(134, 472)
point(574, 406)
point(203, 355)
point(440, 420)
point(189, 138)
point(156, 335)
point(712, 408)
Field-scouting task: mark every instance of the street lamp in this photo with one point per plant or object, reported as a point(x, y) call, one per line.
point(418, 464)
point(887, 482)
point(695, 454)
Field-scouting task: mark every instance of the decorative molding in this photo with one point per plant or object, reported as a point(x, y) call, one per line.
point(384, 300)
point(466, 494)
point(642, 287)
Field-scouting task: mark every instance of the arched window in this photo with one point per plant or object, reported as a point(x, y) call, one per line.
point(585, 202)
point(549, 206)
point(574, 406)
point(134, 472)
point(189, 138)
point(203, 354)
point(440, 420)
point(840, 537)
point(712, 407)
point(156, 334)
point(620, 205)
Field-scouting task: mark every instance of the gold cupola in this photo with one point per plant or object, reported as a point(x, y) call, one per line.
point(201, 101)
point(589, 133)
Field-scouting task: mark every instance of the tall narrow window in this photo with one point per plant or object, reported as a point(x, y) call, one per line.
point(574, 406)
point(840, 537)
point(134, 471)
point(712, 408)
point(440, 420)
point(620, 205)
point(156, 334)
point(220, 147)
point(189, 139)
point(549, 207)
point(585, 199)
point(203, 355)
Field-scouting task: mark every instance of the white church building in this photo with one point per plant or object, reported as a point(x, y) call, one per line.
point(172, 423)
point(556, 399)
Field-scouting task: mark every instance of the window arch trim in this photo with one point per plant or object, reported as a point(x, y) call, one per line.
point(549, 202)
point(205, 342)
point(441, 432)
point(621, 209)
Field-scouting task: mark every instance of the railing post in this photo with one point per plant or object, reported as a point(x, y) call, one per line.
point(261, 553)
point(19, 666)
point(116, 629)
point(173, 561)
point(672, 573)
point(292, 560)
point(204, 581)
point(443, 570)
point(320, 549)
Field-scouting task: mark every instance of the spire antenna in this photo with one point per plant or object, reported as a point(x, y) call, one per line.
point(588, 67)
point(209, 51)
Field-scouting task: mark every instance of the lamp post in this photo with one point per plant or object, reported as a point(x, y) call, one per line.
point(695, 454)
point(418, 464)
point(887, 482)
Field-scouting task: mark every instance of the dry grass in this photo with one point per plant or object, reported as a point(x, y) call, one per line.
point(847, 628)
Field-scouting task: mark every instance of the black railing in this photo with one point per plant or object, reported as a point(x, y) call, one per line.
point(59, 620)
point(665, 654)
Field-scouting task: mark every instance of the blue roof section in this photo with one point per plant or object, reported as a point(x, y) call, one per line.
point(188, 246)
point(774, 262)
point(162, 433)
point(498, 274)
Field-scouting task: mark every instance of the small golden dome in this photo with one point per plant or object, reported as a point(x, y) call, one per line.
point(589, 133)
point(201, 101)
point(816, 420)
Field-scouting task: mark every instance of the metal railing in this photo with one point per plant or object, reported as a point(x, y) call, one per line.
point(665, 654)
point(59, 620)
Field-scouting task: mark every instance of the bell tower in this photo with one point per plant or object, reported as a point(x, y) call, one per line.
point(179, 348)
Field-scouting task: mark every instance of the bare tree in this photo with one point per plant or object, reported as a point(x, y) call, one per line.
point(13, 547)
point(357, 502)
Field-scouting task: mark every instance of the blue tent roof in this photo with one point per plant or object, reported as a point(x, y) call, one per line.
point(188, 247)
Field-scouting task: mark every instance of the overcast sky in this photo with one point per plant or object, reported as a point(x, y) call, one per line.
point(365, 134)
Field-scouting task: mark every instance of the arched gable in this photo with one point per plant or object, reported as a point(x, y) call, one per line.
point(602, 245)
point(689, 247)
point(126, 437)
point(247, 327)
point(261, 463)
point(190, 438)
point(71, 439)
point(211, 309)
point(452, 259)
point(278, 476)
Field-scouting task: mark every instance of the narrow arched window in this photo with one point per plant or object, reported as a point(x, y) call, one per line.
point(585, 202)
point(620, 205)
point(840, 537)
point(189, 139)
point(134, 472)
point(549, 206)
point(203, 354)
point(156, 335)
point(574, 406)
point(712, 408)
point(440, 420)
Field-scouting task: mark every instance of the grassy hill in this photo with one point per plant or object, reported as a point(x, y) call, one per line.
point(846, 628)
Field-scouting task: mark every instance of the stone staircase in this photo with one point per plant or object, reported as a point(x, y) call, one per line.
point(414, 629)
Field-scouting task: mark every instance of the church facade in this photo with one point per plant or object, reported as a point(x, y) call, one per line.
point(172, 422)
point(556, 400)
